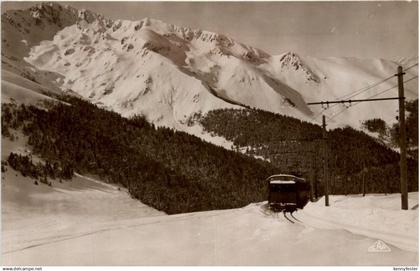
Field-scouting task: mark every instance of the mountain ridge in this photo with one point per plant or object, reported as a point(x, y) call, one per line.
point(168, 73)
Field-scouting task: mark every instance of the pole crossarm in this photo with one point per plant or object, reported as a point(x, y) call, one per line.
point(354, 101)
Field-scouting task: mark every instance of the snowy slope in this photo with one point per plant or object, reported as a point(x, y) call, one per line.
point(321, 79)
point(244, 236)
point(17, 89)
point(168, 72)
point(148, 68)
point(88, 222)
point(375, 215)
point(34, 214)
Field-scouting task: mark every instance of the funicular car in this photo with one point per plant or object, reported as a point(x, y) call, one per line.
point(287, 192)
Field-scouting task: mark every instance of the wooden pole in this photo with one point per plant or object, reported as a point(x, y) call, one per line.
point(364, 179)
point(312, 177)
point(403, 141)
point(363, 184)
point(326, 181)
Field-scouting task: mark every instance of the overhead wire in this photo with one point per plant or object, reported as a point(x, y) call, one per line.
point(370, 97)
point(412, 66)
point(354, 93)
point(357, 92)
point(362, 90)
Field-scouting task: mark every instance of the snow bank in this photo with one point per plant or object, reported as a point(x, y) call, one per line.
point(38, 214)
point(88, 222)
point(244, 236)
point(376, 216)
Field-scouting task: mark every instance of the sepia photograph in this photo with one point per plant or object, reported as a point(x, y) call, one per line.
point(209, 133)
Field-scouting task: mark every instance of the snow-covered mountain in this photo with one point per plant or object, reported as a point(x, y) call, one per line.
point(168, 73)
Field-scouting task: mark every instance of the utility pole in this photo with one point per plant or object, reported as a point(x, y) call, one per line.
point(403, 141)
point(364, 180)
point(326, 181)
point(312, 177)
point(403, 138)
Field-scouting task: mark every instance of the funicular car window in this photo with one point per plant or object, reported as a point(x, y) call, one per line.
point(283, 187)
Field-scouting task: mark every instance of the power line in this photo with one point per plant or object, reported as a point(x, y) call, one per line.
point(357, 92)
point(406, 81)
point(370, 97)
point(344, 109)
point(412, 66)
point(353, 101)
point(360, 91)
point(402, 132)
point(412, 92)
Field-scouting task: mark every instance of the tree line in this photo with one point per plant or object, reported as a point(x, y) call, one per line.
point(295, 146)
point(171, 171)
point(38, 171)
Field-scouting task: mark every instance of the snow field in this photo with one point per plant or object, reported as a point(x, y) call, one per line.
point(375, 215)
point(87, 222)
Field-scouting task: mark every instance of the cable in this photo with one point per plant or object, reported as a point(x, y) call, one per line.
point(406, 81)
point(359, 91)
point(375, 95)
point(386, 90)
point(412, 92)
point(374, 85)
point(354, 93)
point(412, 66)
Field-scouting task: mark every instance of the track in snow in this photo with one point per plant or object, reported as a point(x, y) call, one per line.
point(291, 214)
point(265, 210)
point(285, 216)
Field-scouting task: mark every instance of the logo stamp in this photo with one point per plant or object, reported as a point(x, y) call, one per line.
point(379, 246)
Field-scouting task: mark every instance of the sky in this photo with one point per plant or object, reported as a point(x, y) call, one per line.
point(353, 29)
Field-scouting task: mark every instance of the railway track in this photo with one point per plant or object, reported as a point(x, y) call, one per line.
point(291, 214)
point(291, 218)
point(285, 216)
point(276, 214)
